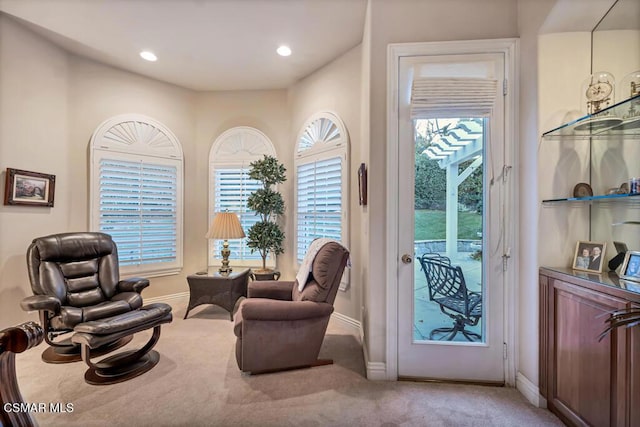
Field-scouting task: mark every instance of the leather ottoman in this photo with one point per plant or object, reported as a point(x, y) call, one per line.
point(128, 364)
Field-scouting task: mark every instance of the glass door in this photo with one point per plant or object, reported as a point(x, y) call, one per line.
point(448, 229)
point(451, 222)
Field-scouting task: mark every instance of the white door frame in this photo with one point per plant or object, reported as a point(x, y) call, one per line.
point(509, 47)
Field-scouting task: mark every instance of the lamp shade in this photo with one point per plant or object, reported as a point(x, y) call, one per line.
point(225, 225)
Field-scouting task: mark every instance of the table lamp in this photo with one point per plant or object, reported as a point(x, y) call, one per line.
point(225, 225)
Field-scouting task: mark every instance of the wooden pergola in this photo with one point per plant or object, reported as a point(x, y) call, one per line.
point(461, 143)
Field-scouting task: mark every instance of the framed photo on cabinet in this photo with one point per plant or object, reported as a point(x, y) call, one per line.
point(589, 256)
point(631, 266)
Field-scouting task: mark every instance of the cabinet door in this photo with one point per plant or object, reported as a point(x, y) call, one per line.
point(543, 351)
point(582, 382)
point(633, 402)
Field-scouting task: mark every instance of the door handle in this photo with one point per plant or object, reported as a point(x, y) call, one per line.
point(406, 258)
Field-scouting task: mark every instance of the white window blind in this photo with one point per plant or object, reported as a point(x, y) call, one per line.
point(442, 97)
point(232, 187)
point(138, 208)
point(319, 202)
point(136, 184)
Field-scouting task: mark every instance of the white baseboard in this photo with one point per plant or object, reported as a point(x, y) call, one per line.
point(376, 371)
point(348, 321)
point(166, 298)
point(530, 391)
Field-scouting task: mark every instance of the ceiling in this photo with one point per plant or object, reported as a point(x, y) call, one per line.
point(201, 44)
point(623, 15)
point(572, 15)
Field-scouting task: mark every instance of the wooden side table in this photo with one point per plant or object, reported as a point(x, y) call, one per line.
point(215, 288)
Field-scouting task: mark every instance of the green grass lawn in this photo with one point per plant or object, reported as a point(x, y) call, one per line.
point(431, 225)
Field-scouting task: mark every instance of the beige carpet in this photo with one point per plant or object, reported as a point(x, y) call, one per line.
point(197, 383)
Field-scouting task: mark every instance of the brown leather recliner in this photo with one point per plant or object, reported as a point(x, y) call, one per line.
point(77, 289)
point(278, 327)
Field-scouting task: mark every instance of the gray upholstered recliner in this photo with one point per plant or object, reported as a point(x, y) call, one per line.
point(278, 327)
point(76, 286)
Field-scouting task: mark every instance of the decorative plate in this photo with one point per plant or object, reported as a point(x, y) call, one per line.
point(624, 188)
point(596, 124)
point(630, 123)
point(582, 189)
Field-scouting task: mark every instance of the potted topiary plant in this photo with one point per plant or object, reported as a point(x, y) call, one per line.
point(266, 235)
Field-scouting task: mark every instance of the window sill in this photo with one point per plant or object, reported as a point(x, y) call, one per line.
point(124, 274)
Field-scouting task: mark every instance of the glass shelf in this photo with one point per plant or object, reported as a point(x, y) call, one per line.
point(621, 119)
point(604, 198)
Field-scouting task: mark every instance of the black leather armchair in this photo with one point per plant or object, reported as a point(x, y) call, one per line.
point(76, 286)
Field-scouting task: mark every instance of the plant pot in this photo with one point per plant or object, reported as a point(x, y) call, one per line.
point(265, 275)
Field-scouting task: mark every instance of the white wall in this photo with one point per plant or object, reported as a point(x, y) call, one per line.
point(617, 52)
point(365, 154)
point(564, 62)
point(336, 88)
point(34, 122)
point(217, 112)
point(98, 92)
point(531, 16)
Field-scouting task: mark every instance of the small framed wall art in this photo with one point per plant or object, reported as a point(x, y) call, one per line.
point(588, 256)
point(362, 184)
point(29, 188)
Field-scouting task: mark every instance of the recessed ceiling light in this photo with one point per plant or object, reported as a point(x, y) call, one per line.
point(149, 56)
point(284, 50)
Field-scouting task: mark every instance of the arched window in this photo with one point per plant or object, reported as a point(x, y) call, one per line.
point(230, 186)
point(322, 170)
point(136, 182)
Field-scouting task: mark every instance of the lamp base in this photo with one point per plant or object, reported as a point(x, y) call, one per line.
point(225, 269)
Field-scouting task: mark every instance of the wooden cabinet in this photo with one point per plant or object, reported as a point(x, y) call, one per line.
point(586, 381)
point(633, 397)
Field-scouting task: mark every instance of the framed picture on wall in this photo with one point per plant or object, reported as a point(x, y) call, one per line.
point(29, 188)
point(631, 266)
point(362, 184)
point(589, 256)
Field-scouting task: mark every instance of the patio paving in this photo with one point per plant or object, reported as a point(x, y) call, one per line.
point(427, 314)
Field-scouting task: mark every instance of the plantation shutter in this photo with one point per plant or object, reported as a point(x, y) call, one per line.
point(445, 97)
point(319, 191)
point(138, 208)
point(232, 187)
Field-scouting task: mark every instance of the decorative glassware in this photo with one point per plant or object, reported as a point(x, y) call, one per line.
point(597, 95)
point(598, 91)
point(630, 85)
point(629, 88)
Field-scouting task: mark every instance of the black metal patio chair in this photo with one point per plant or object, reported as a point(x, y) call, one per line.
point(448, 288)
